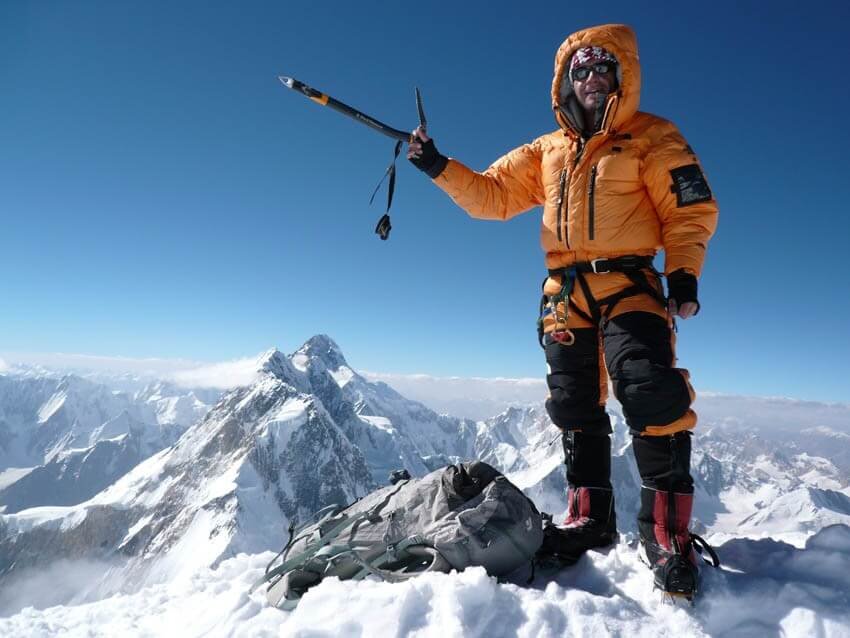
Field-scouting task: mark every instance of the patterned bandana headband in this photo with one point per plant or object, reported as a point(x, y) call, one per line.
point(590, 55)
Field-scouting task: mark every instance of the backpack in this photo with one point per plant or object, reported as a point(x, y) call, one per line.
point(461, 515)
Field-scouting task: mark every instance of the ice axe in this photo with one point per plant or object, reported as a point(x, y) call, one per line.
point(383, 228)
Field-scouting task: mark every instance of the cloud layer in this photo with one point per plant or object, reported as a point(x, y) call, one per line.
point(221, 375)
point(470, 397)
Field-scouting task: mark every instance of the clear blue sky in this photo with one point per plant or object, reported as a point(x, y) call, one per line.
point(161, 194)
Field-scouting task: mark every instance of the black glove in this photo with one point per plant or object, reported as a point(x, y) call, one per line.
point(682, 288)
point(430, 161)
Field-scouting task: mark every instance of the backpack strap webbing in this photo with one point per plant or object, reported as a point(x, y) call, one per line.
point(312, 549)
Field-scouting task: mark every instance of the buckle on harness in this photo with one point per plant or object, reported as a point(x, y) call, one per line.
point(594, 266)
point(618, 264)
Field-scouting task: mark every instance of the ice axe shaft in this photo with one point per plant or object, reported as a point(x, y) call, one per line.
point(326, 100)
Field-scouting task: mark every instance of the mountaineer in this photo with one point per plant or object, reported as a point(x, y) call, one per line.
point(616, 185)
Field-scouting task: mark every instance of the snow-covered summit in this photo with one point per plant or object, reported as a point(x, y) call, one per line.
point(268, 453)
point(325, 349)
point(273, 362)
point(293, 441)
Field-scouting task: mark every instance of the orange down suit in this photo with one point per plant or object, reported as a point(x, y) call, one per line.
point(626, 190)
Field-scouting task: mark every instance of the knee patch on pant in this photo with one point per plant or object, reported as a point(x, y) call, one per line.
point(639, 354)
point(575, 401)
point(651, 394)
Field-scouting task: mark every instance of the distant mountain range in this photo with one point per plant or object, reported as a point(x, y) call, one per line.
point(167, 480)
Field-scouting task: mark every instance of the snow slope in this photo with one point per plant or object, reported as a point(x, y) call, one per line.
point(767, 588)
point(63, 438)
point(264, 455)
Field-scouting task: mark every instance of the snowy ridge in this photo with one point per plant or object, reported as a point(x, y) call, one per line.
point(264, 455)
point(63, 438)
point(392, 432)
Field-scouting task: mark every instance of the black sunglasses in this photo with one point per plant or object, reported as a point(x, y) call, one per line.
point(600, 68)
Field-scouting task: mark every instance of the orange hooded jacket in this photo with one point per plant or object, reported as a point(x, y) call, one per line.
point(633, 188)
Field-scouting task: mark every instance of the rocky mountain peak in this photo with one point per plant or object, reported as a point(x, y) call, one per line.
point(274, 362)
point(325, 349)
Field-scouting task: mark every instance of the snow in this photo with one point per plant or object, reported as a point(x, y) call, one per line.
point(778, 504)
point(767, 588)
point(286, 420)
point(221, 485)
point(300, 361)
point(135, 529)
point(259, 513)
point(507, 455)
point(51, 406)
point(130, 488)
point(840, 437)
point(540, 464)
point(12, 474)
point(380, 422)
point(47, 517)
point(790, 517)
point(821, 473)
point(342, 375)
point(200, 545)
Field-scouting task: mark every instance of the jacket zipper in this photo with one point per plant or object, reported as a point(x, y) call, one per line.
point(564, 206)
point(591, 190)
point(579, 153)
point(561, 186)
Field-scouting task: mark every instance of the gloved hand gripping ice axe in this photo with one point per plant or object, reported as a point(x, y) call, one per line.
point(383, 228)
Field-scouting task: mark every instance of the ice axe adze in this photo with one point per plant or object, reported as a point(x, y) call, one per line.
point(383, 228)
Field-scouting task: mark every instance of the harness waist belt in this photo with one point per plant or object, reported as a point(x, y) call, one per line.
point(602, 265)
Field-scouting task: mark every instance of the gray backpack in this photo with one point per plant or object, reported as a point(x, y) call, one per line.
point(461, 515)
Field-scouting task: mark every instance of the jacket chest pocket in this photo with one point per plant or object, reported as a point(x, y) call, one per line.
point(614, 188)
point(618, 172)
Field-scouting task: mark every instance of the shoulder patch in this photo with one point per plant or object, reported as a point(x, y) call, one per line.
point(689, 185)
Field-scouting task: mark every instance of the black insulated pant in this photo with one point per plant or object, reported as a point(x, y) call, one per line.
point(638, 352)
point(639, 359)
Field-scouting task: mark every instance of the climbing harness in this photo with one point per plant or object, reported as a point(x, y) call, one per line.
point(633, 266)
